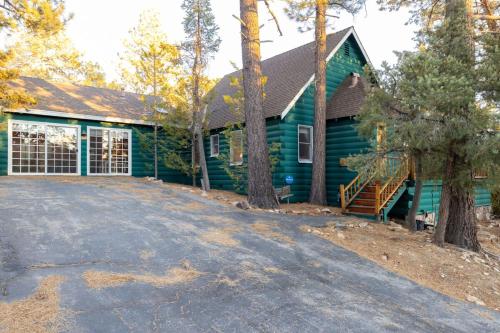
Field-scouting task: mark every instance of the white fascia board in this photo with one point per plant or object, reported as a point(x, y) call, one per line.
point(328, 58)
point(38, 112)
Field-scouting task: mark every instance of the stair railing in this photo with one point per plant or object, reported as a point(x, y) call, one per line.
point(349, 192)
point(398, 170)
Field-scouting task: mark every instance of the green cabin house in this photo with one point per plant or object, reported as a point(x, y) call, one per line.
point(77, 130)
point(85, 131)
point(289, 113)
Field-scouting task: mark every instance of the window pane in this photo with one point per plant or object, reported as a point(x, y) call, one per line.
point(214, 144)
point(236, 147)
point(305, 134)
point(305, 143)
point(304, 151)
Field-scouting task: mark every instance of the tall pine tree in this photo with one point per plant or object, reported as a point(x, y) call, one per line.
point(201, 43)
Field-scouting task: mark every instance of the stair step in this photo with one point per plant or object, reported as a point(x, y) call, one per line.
point(369, 202)
point(361, 209)
point(366, 195)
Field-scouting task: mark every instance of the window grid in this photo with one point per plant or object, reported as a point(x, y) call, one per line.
point(108, 151)
point(43, 149)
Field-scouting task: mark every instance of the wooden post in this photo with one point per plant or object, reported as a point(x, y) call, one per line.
point(342, 197)
point(377, 197)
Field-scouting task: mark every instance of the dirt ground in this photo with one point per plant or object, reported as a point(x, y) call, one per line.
point(230, 198)
point(450, 270)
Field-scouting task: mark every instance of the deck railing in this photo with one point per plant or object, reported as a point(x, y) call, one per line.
point(349, 192)
point(393, 172)
point(397, 170)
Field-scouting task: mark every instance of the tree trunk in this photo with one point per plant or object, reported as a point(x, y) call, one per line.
point(461, 228)
point(444, 203)
point(197, 116)
point(317, 194)
point(412, 214)
point(194, 164)
point(260, 187)
point(203, 162)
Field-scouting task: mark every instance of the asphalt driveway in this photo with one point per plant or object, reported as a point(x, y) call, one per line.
point(257, 271)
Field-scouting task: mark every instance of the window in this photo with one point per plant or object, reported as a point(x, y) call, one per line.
point(109, 151)
point(305, 144)
point(43, 149)
point(236, 148)
point(214, 145)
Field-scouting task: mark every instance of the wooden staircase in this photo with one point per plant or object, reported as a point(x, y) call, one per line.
point(374, 196)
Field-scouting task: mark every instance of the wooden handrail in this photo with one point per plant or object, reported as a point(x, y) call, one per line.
point(349, 192)
point(384, 194)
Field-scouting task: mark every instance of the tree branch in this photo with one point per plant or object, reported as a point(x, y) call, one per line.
point(275, 19)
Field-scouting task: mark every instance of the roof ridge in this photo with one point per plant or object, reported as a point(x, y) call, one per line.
point(293, 49)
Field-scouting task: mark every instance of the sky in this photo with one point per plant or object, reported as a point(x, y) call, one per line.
point(100, 26)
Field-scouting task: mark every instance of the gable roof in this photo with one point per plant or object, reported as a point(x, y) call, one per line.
point(347, 100)
point(288, 76)
point(81, 102)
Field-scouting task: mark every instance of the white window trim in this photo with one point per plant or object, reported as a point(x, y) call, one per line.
point(129, 131)
point(308, 161)
point(231, 148)
point(212, 146)
point(40, 123)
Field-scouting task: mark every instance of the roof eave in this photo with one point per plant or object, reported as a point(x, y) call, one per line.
point(48, 113)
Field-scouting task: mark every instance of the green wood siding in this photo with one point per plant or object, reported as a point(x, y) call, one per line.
point(338, 68)
point(142, 163)
point(431, 197)
point(342, 140)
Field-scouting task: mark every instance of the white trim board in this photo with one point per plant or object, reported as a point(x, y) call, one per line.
point(328, 58)
point(38, 112)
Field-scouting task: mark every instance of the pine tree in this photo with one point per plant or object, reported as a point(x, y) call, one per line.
point(302, 11)
point(439, 105)
point(36, 16)
point(52, 56)
point(148, 67)
point(260, 187)
point(202, 41)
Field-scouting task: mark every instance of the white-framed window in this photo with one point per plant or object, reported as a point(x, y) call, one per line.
point(109, 151)
point(236, 148)
point(305, 143)
point(37, 148)
point(214, 145)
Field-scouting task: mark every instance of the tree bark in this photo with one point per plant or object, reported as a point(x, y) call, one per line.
point(260, 187)
point(317, 194)
point(412, 214)
point(461, 228)
point(444, 203)
point(197, 116)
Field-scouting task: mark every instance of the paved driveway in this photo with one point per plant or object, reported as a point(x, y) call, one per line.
point(268, 277)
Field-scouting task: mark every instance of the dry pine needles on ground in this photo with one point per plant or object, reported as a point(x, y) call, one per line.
point(39, 313)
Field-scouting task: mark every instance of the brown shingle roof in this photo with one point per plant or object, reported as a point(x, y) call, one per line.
point(83, 100)
point(286, 73)
point(347, 100)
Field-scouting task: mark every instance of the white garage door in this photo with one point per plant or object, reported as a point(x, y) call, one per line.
point(43, 148)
